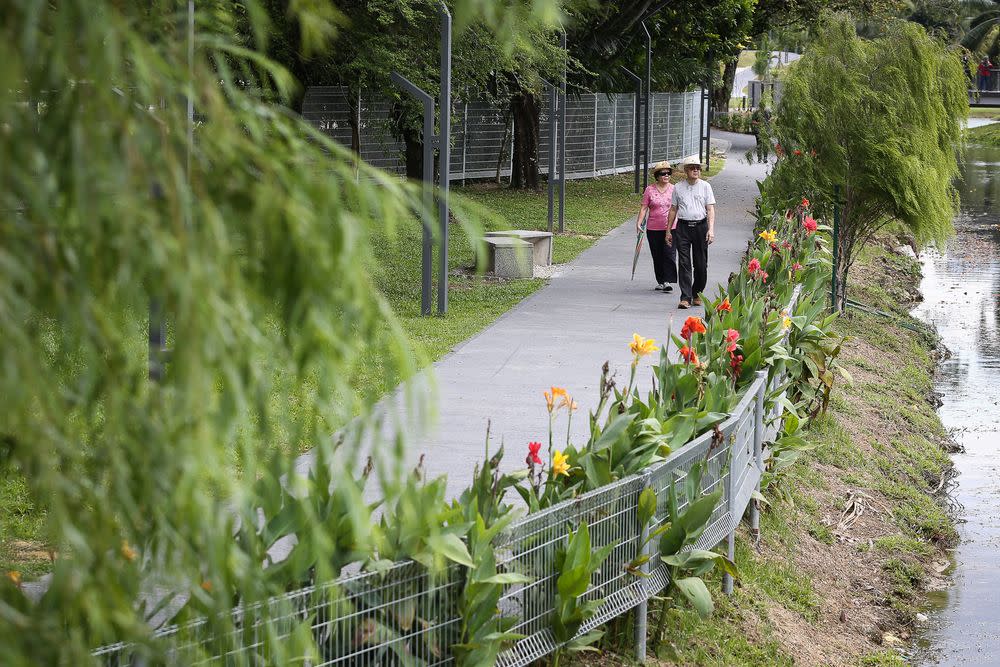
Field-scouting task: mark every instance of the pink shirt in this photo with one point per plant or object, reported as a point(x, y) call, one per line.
point(659, 206)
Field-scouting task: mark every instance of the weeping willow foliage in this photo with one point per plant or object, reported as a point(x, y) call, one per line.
point(251, 234)
point(884, 119)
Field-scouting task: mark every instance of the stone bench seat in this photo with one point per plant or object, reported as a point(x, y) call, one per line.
point(541, 243)
point(508, 257)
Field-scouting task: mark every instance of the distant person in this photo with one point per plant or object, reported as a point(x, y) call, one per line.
point(967, 67)
point(692, 212)
point(760, 123)
point(985, 70)
point(656, 199)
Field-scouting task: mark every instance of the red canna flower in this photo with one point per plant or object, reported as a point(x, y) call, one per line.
point(774, 247)
point(533, 449)
point(763, 276)
point(692, 325)
point(809, 224)
point(732, 336)
point(797, 152)
point(786, 245)
point(754, 266)
point(796, 267)
point(725, 306)
point(688, 354)
point(805, 203)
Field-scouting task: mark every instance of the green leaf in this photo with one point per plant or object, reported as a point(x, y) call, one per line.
point(646, 506)
point(613, 432)
point(697, 594)
point(451, 547)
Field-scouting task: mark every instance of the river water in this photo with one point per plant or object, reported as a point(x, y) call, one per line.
point(961, 290)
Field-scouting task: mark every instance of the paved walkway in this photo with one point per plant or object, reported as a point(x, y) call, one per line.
point(561, 335)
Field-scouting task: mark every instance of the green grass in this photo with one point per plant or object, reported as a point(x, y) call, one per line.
point(747, 58)
point(986, 135)
point(992, 113)
point(22, 526)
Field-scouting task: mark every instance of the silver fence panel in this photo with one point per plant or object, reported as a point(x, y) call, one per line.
point(328, 109)
point(624, 131)
point(600, 131)
point(401, 616)
point(529, 548)
point(486, 134)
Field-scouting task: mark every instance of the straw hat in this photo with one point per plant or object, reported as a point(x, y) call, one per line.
point(660, 166)
point(692, 161)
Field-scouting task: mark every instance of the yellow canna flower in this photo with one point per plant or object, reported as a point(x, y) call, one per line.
point(559, 464)
point(550, 398)
point(770, 235)
point(128, 553)
point(786, 323)
point(15, 577)
point(641, 346)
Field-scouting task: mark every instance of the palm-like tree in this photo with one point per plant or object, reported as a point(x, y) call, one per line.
point(983, 18)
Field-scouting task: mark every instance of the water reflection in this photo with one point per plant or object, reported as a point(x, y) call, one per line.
point(961, 289)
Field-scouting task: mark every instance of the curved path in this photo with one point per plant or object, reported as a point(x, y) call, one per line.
point(561, 335)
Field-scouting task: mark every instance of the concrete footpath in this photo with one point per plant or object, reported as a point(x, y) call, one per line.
point(561, 335)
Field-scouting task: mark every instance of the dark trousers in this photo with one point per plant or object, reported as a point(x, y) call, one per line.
point(664, 256)
point(691, 241)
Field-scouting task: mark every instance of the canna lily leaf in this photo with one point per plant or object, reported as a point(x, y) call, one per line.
point(697, 594)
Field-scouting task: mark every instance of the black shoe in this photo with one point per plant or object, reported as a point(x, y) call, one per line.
point(667, 288)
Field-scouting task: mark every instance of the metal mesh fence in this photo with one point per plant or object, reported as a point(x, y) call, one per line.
point(405, 616)
point(600, 131)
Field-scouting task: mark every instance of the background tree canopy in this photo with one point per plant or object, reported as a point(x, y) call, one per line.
point(884, 117)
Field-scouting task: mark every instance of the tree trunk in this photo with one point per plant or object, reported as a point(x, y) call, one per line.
point(723, 93)
point(525, 111)
point(413, 154)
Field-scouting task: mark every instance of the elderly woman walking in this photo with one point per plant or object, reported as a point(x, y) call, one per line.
point(657, 200)
point(692, 215)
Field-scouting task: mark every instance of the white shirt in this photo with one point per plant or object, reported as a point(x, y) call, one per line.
point(692, 201)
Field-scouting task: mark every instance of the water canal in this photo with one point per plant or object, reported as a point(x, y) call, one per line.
point(961, 289)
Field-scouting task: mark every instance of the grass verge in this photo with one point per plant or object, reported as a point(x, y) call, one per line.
point(986, 135)
point(860, 534)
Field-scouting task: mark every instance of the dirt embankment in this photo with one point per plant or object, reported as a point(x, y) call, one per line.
point(858, 532)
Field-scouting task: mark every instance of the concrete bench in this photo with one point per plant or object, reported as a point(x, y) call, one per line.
point(508, 257)
point(541, 242)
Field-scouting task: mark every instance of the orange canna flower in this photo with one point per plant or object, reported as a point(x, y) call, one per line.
point(550, 398)
point(692, 325)
point(725, 306)
point(689, 355)
point(15, 577)
point(206, 586)
point(128, 553)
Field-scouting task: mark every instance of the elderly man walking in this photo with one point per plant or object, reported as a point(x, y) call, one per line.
point(693, 207)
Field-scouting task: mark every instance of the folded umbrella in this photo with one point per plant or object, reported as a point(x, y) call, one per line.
point(638, 242)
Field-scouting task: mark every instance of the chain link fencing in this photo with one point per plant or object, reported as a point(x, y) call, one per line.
point(600, 131)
